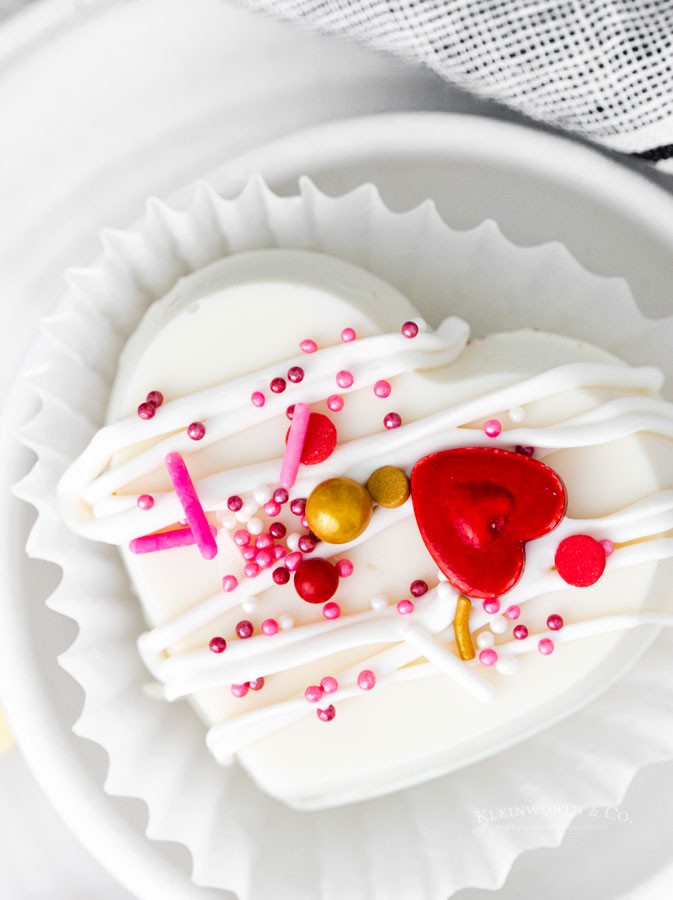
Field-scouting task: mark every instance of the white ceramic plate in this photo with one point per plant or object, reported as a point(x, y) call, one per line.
point(109, 129)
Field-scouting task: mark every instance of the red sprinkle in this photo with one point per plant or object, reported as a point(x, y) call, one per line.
point(295, 374)
point(280, 495)
point(146, 410)
point(344, 568)
point(326, 715)
point(491, 606)
point(196, 431)
point(244, 629)
point(580, 560)
point(316, 580)
point(218, 644)
point(320, 440)
point(410, 329)
point(554, 622)
point(156, 398)
point(366, 680)
point(289, 412)
point(525, 451)
point(306, 544)
point(418, 588)
point(277, 530)
point(234, 503)
point(256, 684)
point(281, 575)
point(520, 632)
point(297, 506)
point(392, 420)
point(278, 385)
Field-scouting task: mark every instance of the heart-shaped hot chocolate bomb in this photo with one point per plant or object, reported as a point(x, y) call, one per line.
point(477, 506)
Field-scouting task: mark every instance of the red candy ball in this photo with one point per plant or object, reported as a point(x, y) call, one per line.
point(580, 560)
point(316, 580)
point(320, 441)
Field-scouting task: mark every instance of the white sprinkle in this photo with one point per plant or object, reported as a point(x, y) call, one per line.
point(250, 604)
point(250, 507)
point(485, 639)
point(506, 665)
point(227, 520)
point(242, 516)
point(379, 602)
point(293, 540)
point(255, 526)
point(261, 494)
point(498, 625)
point(517, 414)
point(444, 590)
point(285, 621)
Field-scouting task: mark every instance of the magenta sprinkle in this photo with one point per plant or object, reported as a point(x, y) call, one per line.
point(279, 551)
point(327, 714)
point(554, 622)
point(295, 374)
point(251, 570)
point(344, 379)
point(277, 530)
point(491, 606)
point(248, 553)
point(382, 389)
point(145, 501)
point(308, 346)
point(335, 402)
point(292, 560)
point(331, 610)
point(240, 690)
point(306, 544)
point(271, 508)
point(280, 495)
point(166, 540)
point(242, 537)
point(281, 575)
point(234, 503)
point(418, 588)
point(257, 398)
point(545, 646)
point(264, 559)
point(263, 541)
point(313, 693)
point(348, 335)
point(608, 547)
point(256, 684)
point(244, 629)
point(405, 607)
point(146, 410)
point(196, 431)
point(304, 521)
point(289, 412)
point(488, 657)
point(344, 568)
point(525, 451)
point(295, 445)
point(392, 420)
point(156, 398)
point(520, 632)
point(278, 385)
point(218, 644)
point(269, 627)
point(492, 428)
point(366, 680)
point(297, 506)
point(513, 612)
point(229, 583)
point(410, 329)
point(329, 684)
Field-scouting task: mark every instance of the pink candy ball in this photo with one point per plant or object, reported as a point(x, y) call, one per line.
point(344, 379)
point(145, 501)
point(348, 335)
point(329, 684)
point(545, 646)
point(382, 389)
point(554, 622)
point(264, 558)
point(251, 570)
point(156, 398)
point(269, 627)
point(335, 402)
point(229, 583)
point(513, 612)
point(257, 398)
point(392, 420)
point(271, 508)
point(256, 684)
point(313, 693)
point(281, 575)
point(146, 410)
point(308, 346)
point(331, 610)
point(344, 568)
point(488, 657)
point(292, 560)
point(196, 431)
point(608, 547)
point(263, 541)
point(295, 374)
point(492, 428)
point(280, 495)
point(242, 537)
point(244, 629)
point(405, 607)
point(410, 329)
point(239, 690)
point(277, 530)
point(217, 644)
point(326, 715)
point(491, 606)
point(520, 632)
point(366, 680)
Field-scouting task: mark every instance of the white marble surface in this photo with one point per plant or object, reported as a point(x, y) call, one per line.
point(92, 94)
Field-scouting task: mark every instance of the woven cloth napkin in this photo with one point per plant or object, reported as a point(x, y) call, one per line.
point(602, 69)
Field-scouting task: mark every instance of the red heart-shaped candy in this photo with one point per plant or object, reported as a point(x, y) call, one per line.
point(477, 506)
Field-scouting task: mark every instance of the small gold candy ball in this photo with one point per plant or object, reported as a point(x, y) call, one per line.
point(338, 510)
point(389, 486)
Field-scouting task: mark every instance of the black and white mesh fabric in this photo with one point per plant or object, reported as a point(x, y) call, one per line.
point(600, 68)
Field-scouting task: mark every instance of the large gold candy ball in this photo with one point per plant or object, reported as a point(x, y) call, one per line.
point(388, 486)
point(338, 510)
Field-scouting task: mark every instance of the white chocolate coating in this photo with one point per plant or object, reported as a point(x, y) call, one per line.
point(598, 422)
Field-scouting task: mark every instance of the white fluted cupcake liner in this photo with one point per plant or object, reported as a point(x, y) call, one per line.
point(425, 842)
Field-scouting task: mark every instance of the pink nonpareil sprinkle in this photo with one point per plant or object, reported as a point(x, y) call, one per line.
point(292, 560)
point(277, 530)
point(240, 690)
point(165, 540)
point(410, 329)
point(251, 570)
point(392, 420)
point(269, 627)
point(146, 410)
point(335, 402)
point(280, 495)
point(295, 374)
point(156, 398)
point(145, 501)
point(217, 645)
point(263, 541)
point(257, 398)
point(366, 680)
point(242, 537)
point(608, 547)
point(248, 553)
point(344, 568)
point(344, 379)
point(256, 684)
point(405, 607)
point(313, 693)
point(308, 346)
point(229, 583)
point(327, 714)
point(295, 445)
point(196, 517)
point(491, 606)
point(329, 684)
point(488, 657)
point(196, 431)
point(545, 646)
point(492, 428)
point(297, 506)
point(382, 389)
point(271, 508)
point(331, 611)
point(264, 558)
point(279, 551)
point(348, 335)
point(513, 612)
